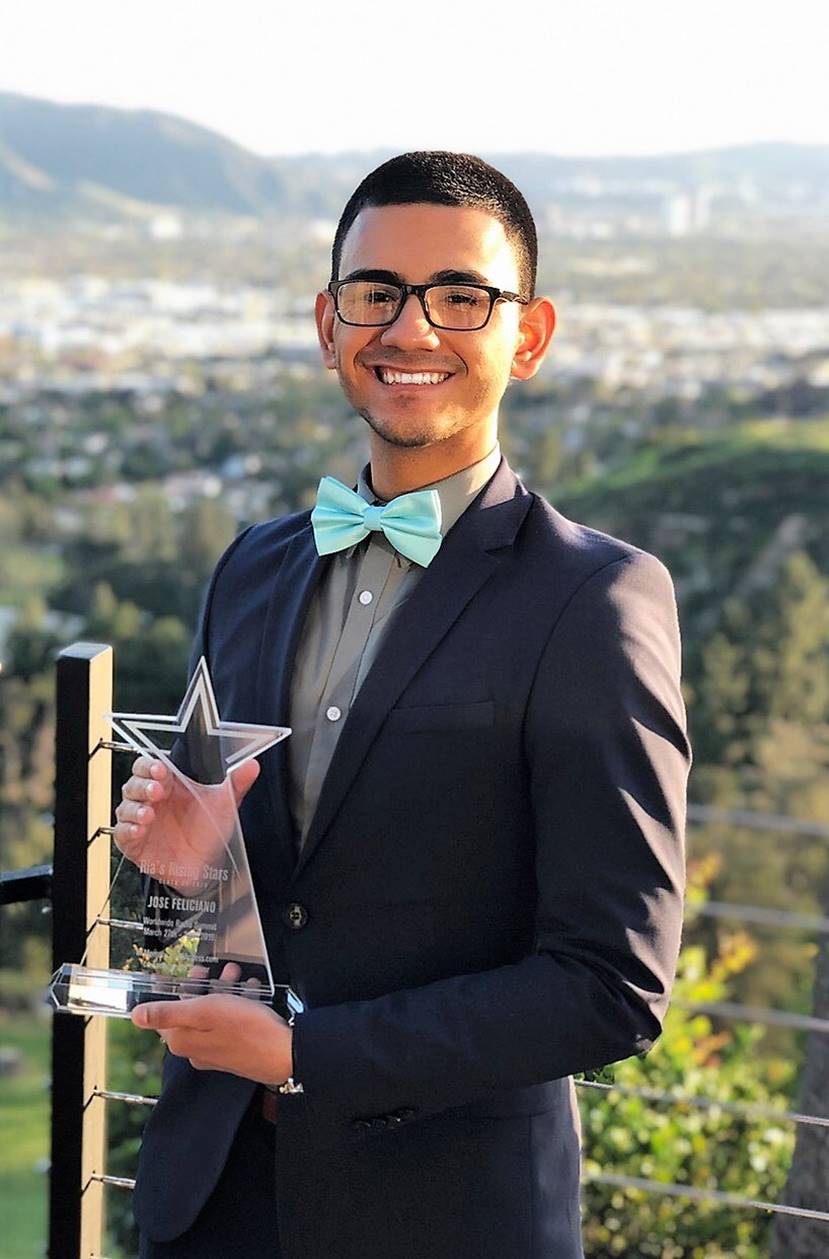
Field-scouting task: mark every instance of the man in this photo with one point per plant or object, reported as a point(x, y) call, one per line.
point(469, 855)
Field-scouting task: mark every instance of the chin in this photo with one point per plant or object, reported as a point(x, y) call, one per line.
point(404, 434)
point(400, 435)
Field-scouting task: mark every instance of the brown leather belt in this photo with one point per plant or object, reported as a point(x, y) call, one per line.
point(270, 1105)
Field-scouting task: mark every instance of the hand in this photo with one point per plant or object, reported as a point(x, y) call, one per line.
point(220, 1032)
point(173, 833)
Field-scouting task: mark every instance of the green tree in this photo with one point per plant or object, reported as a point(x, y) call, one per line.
point(205, 530)
point(707, 1148)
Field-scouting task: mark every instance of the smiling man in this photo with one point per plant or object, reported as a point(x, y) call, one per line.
point(469, 855)
point(431, 380)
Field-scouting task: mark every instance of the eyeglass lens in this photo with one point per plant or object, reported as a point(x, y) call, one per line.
point(373, 304)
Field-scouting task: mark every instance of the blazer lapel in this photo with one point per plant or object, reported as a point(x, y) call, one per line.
point(464, 563)
point(293, 587)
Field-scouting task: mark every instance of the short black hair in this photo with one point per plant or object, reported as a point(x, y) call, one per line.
point(437, 177)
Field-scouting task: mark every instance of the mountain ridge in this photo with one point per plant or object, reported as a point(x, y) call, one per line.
point(52, 154)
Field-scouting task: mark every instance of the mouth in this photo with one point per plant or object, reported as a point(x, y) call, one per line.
point(390, 376)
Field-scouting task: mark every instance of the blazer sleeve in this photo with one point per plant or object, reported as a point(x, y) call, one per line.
point(608, 760)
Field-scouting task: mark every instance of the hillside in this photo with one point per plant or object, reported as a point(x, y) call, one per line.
point(100, 161)
point(723, 514)
point(94, 158)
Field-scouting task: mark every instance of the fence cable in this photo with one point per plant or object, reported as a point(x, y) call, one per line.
point(754, 1014)
point(700, 1195)
point(762, 914)
point(747, 1110)
point(707, 813)
point(133, 1099)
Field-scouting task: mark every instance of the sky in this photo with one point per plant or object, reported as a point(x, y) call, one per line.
point(592, 77)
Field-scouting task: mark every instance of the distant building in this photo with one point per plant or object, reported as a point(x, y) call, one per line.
point(687, 212)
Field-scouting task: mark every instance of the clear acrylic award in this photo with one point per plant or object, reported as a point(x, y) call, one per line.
point(183, 906)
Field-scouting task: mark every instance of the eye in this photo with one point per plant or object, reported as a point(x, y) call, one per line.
point(462, 297)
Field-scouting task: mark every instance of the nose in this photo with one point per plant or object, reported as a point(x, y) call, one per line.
point(411, 329)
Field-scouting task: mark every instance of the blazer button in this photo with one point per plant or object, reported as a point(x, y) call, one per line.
point(295, 916)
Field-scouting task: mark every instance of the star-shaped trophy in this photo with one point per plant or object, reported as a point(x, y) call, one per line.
point(181, 909)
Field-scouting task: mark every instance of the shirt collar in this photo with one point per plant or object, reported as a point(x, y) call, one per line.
point(455, 492)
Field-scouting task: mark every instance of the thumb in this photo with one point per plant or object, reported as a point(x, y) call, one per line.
point(161, 1015)
point(243, 778)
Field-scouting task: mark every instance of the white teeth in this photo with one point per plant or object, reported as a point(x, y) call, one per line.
point(412, 378)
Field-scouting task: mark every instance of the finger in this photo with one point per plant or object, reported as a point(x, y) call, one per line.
point(230, 976)
point(149, 767)
point(243, 778)
point(128, 838)
point(132, 811)
point(144, 789)
point(164, 1015)
point(196, 976)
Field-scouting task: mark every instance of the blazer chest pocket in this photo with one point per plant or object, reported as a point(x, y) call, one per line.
point(424, 717)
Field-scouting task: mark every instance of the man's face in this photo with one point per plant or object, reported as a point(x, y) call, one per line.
point(418, 244)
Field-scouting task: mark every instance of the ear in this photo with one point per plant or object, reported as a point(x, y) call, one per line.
point(325, 316)
point(535, 332)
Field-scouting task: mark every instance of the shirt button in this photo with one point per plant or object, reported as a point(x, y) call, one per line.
point(296, 916)
point(333, 713)
point(366, 597)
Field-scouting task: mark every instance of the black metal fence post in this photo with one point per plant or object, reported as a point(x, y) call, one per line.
point(79, 889)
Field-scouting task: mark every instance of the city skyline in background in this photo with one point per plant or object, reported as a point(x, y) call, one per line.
point(638, 78)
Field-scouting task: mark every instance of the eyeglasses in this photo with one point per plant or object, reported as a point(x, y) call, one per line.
point(455, 307)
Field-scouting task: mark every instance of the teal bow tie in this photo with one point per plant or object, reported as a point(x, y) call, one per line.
point(411, 522)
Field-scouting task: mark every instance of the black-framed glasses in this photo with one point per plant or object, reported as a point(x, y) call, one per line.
point(454, 307)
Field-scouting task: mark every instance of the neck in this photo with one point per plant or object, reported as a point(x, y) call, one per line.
point(401, 469)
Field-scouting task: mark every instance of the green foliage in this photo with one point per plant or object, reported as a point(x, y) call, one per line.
point(707, 1149)
point(24, 1135)
point(724, 513)
point(767, 663)
point(741, 521)
point(135, 1060)
point(176, 960)
point(26, 740)
point(151, 652)
point(761, 732)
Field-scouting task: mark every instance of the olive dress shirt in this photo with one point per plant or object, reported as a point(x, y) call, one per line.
point(352, 609)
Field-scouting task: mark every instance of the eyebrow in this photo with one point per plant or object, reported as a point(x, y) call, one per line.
point(448, 276)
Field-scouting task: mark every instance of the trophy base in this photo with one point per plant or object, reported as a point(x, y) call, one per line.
point(114, 994)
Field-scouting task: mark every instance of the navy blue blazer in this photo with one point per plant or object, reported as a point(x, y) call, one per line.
point(490, 892)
